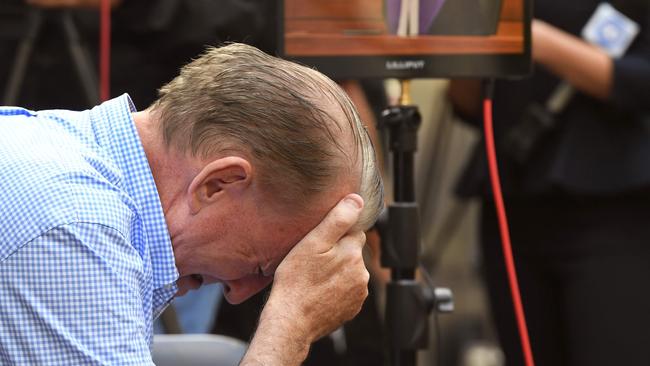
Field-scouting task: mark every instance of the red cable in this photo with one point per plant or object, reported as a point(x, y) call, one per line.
point(105, 50)
point(505, 233)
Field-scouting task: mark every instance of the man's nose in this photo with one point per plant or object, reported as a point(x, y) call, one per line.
point(237, 291)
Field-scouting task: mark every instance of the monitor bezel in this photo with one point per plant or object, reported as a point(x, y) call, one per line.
point(496, 65)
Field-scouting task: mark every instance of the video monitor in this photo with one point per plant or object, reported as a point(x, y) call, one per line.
point(408, 38)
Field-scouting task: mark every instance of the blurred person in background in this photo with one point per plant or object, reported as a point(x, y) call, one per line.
point(579, 201)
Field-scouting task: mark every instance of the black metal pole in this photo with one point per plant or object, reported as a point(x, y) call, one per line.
point(404, 188)
point(408, 303)
point(400, 248)
point(404, 191)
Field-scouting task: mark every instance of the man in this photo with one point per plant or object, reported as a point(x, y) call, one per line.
point(247, 169)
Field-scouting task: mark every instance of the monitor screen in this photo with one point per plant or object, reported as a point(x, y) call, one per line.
point(408, 38)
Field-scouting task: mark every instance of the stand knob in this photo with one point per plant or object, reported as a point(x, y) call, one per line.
point(444, 299)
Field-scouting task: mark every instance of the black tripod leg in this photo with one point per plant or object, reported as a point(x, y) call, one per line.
point(82, 60)
point(25, 48)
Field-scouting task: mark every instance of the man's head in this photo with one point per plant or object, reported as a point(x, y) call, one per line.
point(276, 146)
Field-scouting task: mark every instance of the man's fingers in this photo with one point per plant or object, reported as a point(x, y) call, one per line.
point(337, 223)
point(355, 241)
point(357, 276)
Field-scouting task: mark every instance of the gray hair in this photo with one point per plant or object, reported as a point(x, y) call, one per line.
point(238, 99)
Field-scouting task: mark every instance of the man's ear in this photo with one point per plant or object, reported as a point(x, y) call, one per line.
point(228, 173)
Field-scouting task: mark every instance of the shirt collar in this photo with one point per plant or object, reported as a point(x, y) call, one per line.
point(115, 129)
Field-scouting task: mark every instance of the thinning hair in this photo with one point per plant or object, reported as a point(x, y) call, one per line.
point(284, 116)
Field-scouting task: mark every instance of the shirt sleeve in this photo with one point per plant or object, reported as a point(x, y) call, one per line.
point(631, 74)
point(73, 296)
point(631, 87)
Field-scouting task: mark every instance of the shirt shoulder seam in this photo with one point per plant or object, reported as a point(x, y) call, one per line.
point(27, 242)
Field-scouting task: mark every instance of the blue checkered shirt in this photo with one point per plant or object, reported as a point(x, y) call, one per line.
point(86, 262)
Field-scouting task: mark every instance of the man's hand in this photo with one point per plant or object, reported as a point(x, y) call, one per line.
point(319, 285)
point(70, 3)
point(323, 281)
